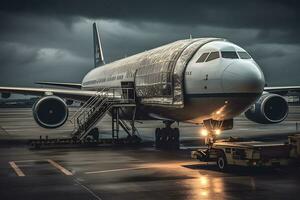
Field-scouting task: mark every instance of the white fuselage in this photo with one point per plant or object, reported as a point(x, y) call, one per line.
point(219, 89)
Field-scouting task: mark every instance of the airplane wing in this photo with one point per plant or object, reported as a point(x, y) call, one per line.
point(69, 85)
point(79, 95)
point(282, 89)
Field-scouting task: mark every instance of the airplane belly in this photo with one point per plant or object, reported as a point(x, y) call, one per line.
point(199, 108)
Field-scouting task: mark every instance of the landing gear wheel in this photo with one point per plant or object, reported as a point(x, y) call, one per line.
point(158, 139)
point(175, 139)
point(167, 138)
point(222, 162)
point(134, 139)
point(164, 141)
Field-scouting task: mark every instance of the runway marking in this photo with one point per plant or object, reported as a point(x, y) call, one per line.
point(88, 189)
point(17, 170)
point(22, 161)
point(58, 166)
point(116, 170)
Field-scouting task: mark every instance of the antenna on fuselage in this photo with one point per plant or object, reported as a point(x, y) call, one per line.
point(98, 51)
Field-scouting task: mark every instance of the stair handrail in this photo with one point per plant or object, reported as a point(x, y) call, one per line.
point(99, 116)
point(84, 106)
point(84, 118)
point(101, 100)
point(89, 102)
point(102, 93)
point(97, 119)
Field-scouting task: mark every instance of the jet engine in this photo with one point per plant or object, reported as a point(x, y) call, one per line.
point(50, 112)
point(269, 109)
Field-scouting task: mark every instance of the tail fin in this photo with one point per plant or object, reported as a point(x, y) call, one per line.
point(98, 52)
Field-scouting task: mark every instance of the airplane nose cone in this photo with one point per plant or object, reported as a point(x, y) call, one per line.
point(243, 77)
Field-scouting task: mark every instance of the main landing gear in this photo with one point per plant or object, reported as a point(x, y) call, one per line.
point(167, 137)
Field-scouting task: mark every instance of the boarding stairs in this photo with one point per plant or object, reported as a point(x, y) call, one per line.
point(95, 108)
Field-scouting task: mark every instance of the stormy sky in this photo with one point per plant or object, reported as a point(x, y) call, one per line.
point(51, 40)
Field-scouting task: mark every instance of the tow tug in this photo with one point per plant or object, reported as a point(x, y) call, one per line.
point(236, 152)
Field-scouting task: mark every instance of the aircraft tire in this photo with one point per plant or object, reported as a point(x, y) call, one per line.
point(158, 138)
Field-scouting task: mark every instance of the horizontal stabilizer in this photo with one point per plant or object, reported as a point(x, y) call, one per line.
point(69, 85)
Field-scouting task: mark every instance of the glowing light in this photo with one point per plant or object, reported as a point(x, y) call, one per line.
point(204, 132)
point(204, 181)
point(204, 193)
point(218, 132)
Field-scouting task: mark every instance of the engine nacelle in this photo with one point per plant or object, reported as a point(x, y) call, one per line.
point(50, 112)
point(269, 109)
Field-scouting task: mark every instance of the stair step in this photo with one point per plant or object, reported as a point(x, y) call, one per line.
point(94, 110)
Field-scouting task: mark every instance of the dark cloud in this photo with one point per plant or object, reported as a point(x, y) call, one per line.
point(233, 13)
point(42, 40)
point(15, 54)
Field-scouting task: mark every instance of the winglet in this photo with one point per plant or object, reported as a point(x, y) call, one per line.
point(98, 52)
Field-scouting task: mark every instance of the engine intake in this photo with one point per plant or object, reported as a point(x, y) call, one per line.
point(269, 109)
point(50, 112)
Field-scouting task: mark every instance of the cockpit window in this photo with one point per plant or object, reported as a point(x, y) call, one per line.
point(202, 57)
point(229, 54)
point(244, 55)
point(212, 56)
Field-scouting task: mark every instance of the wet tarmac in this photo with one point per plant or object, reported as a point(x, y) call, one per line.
point(119, 172)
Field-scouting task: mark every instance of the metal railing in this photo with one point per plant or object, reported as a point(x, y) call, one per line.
point(98, 105)
point(86, 105)
point(125, 95)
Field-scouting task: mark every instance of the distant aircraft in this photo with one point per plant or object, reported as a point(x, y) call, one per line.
point(205, 81)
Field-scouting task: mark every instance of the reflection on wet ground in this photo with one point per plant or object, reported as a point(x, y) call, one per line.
point(135, 173)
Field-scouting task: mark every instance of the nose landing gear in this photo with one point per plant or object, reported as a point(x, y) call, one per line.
point(212, 128)
point(167, 138)
point(210, 138)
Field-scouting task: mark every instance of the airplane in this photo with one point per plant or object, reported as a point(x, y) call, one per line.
point(205, 81)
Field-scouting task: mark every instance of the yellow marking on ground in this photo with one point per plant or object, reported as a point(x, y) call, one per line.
point(17, 170)
point(58, 166)
point(25, 161)
point(115, 170)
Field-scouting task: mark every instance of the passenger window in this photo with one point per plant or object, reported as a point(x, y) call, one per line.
point(229, 54)
point(244, 55)
point(202, 58)
point(212, 56)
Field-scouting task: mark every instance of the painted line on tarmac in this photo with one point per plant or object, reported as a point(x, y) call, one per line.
point(88, 190)
point(116, 170)
point(15, 167)
point(59, 167)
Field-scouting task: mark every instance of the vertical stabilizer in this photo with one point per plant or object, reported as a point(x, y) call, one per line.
point(98, 52)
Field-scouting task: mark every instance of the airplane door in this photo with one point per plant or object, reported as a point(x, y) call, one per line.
point(128, 89)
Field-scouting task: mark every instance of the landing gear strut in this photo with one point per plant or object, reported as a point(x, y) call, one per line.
point(167, 137)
